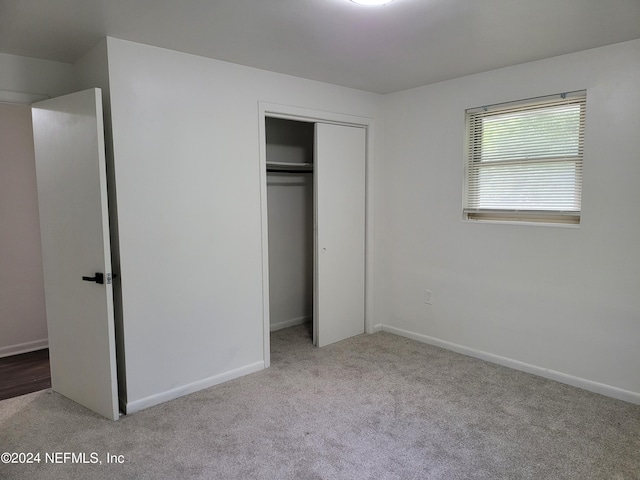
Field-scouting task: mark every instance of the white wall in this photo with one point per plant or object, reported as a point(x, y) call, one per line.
point(186, 150)
point(290, 217)
point(35, 76)
point(23, 320)
point(559, 299)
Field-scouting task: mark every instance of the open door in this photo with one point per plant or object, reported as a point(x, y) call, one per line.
point(340, 153)
point(76, 252)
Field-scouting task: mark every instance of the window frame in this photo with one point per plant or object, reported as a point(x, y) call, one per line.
point(515, 215)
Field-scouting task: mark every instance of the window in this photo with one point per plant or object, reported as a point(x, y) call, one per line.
point(524, 160)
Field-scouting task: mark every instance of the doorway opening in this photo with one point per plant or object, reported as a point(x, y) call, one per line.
point(290, 213)
point(24, 359)
point(59, 204)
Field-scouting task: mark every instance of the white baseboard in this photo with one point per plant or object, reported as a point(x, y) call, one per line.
point(601, 388)
point(289, 323)
point(377, 328)
point(24, 348)
point(152, 400)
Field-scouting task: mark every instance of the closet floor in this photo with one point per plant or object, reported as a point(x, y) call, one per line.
point(291, 339)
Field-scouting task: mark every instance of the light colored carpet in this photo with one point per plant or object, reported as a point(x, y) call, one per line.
point(372, 407)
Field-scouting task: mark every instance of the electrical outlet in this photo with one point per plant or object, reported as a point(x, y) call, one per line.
point(427, 296)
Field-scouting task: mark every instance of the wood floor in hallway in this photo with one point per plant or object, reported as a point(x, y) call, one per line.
point(24, 373)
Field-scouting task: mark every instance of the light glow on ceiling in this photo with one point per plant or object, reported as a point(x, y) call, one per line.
point(371, 2)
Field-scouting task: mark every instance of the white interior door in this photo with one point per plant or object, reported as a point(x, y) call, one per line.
point(340, 153)
point(72, 195)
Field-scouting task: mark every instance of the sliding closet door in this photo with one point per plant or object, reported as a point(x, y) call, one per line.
point(340, 232)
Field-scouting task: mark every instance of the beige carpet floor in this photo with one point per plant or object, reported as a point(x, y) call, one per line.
point(372, 407)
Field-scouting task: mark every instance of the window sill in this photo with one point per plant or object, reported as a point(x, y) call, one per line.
point(521, 222)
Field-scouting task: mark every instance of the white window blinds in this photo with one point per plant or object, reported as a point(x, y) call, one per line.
point(524, 160)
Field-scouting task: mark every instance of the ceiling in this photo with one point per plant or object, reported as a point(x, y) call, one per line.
point(403, 44)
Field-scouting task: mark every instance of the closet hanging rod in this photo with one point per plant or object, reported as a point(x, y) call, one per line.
point(290, 167)
point(280, 170)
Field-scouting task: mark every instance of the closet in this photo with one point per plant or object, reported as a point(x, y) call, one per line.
point(289, 150)
point(316, 226)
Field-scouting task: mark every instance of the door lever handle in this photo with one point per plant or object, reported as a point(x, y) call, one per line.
point(99, 278)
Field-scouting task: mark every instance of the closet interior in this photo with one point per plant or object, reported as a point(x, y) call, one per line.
point(290, 213)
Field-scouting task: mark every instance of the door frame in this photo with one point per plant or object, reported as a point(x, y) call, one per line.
point(287, 112)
